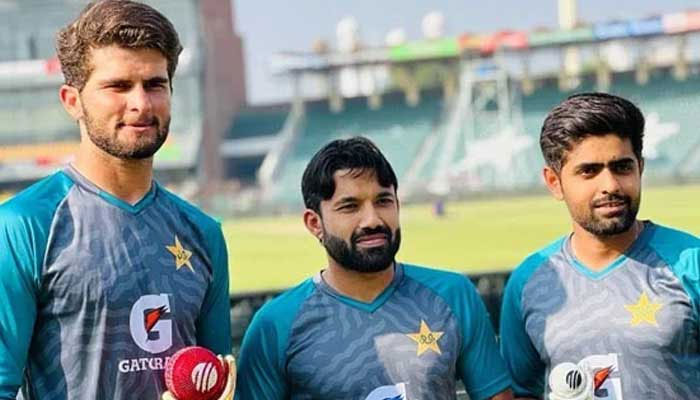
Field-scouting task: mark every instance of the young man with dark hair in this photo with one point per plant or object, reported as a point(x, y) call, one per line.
point(367, 327)
point(104, 274)
point(611, 310)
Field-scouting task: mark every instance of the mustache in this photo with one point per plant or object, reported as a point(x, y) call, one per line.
point(357, 235)
point(152, 121)
point(611, 198)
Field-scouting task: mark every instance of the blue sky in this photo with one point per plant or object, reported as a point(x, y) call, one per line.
point(270, 26)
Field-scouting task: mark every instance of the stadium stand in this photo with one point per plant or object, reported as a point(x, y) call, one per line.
point(485, 154)
point(34, 116)
point(260, 121)
point(34, 124)
point(398, 129)
point(252, 134)
point(668, 105)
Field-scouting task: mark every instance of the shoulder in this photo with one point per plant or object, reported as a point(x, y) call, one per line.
point(455, 289)
point(522, 273)
point(427, 275)
point(670, 240)
point(190, 211)
point(282, 310)
point(676, 248)
point(38, 200)
point(25, 223)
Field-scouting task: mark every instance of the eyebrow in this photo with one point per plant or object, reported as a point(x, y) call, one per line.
point(150, 81)
point(385, 193)
point(117, 81)
point(157, 79)
point(345, 200)
point(351, 199)
point(613, 163)
point(622, 161)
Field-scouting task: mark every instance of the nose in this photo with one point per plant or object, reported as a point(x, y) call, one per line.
point(370, 217)
point(139, 100)
point(610, 182)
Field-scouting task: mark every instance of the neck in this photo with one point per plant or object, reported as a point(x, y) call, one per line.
point(597, 252)
point(361, 286)
point(128, 180)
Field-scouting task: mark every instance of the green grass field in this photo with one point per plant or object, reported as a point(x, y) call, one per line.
point(477, 236)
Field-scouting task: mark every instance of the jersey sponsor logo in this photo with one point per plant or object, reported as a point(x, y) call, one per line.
point(606, 376)
point(569, 381)
point(389, 392)
point(602, 378)
point(150, 324)
point(426, 339)
point(644, 311)
point(181, 254)
point(142, 364)
point(574, 379)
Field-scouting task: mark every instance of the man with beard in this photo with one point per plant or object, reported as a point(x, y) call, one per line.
point(618, 296)
point(367, 327)
point(104, 274)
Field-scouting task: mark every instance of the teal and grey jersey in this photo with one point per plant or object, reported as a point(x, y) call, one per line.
point(635, 322)
point(427, 329)
point(96, 294)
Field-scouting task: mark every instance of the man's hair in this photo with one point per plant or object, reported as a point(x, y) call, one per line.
point(357, 154)
point(589, 114)
point(124, 23)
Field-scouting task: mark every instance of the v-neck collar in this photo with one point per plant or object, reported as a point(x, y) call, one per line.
point(361, 305)
point(641, 241)
point(136, 208)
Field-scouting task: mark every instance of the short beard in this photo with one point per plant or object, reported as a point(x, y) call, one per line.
point(111, 145)
point(612, 226)
point(374, 259)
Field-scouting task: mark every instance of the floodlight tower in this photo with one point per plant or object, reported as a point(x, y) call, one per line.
point(568, 17)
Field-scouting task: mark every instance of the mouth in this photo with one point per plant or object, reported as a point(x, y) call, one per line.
point(140, 126)
point(373, 240)
point(612, 208)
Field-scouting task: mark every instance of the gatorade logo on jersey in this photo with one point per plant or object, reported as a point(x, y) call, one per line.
point(606, 376)
point(390, 392)
point(150, 323)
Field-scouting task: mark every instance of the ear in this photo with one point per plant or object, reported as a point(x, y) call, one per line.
point(553, 182)
point(313, 223)
point(70, 99)
point(641, 166)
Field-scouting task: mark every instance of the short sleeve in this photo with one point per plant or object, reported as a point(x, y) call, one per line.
point(214, 321)
point(19, 278)
point(480, 365)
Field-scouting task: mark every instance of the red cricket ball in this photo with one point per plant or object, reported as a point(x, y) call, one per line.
point(195, 373)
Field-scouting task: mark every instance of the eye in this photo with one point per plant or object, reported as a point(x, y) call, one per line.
point(588, 170)
point(349, 207)
point(385, 201)
point(623, 168)
point(119, 86)
point(156, 85)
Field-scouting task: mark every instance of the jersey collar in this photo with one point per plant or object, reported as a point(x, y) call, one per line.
point(85, 183)
point(322, 285)
point(639, 243)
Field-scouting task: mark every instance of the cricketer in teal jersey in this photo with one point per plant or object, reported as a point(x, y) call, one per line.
point(618, 296)
point(103, 273)
point(367, 327)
